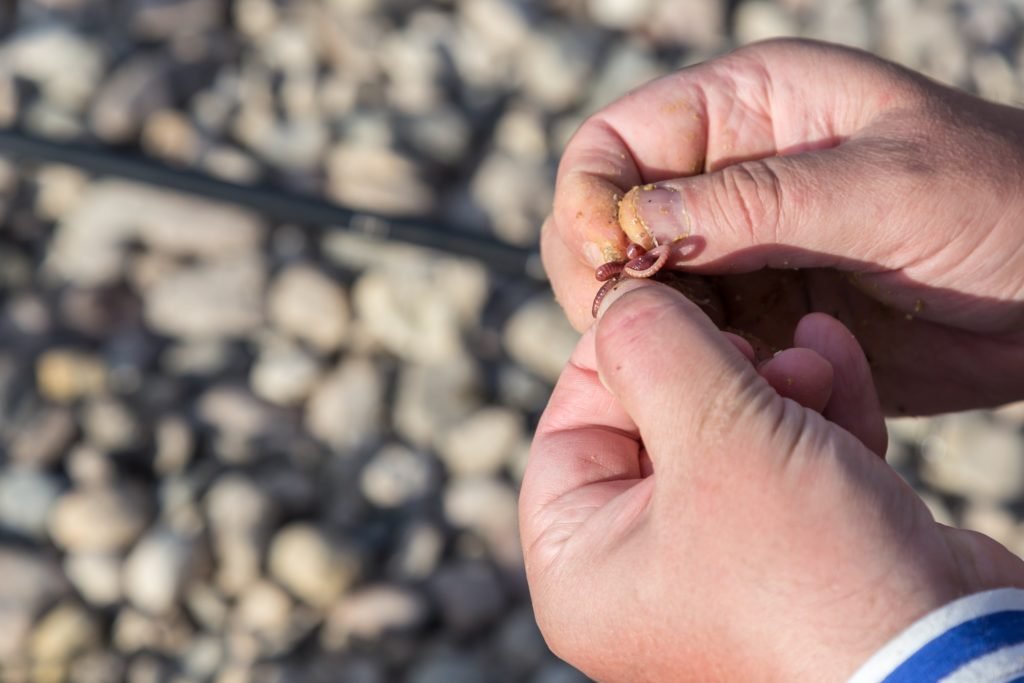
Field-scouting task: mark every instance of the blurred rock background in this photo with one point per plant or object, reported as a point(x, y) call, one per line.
point(238, 450)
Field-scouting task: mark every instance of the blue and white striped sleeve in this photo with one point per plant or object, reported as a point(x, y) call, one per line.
point(976, 639)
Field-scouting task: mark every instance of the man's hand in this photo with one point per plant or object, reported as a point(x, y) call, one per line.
point(683, 519)
point(901, 201)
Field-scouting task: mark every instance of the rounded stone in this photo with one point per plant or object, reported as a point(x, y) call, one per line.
point(396, 476)
point(312, 566)
point(98, 520)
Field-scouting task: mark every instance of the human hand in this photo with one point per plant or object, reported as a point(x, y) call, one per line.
point(769, 543)
point(901, 201)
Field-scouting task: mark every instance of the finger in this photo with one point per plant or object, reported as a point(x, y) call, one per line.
point(854, 404)
point(760, 101)
point(572, 281)
point(800, 374)
point(681, 381)
point(741, 344)
point(584, 437)
point(826, 208)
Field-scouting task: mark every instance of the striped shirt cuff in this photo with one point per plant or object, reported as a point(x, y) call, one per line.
point(978, 638)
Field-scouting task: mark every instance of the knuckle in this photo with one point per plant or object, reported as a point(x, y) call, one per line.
point(747, 197)
point(737, 398)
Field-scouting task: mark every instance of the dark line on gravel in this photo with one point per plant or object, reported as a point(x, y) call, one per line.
point(424, 232)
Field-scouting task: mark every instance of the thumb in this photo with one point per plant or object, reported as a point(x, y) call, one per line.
point(815, 209)
point(688, 389)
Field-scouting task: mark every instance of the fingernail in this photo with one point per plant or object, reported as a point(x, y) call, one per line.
point(663, 214)
point(593, 254)
point(620, 288)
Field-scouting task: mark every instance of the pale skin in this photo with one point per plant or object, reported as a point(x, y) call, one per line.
point(689, 514)
point(883, 187)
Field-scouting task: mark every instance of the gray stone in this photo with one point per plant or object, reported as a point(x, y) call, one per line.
point(994, 521)
point(96, 577)
point(284, 374)
point(468, 595)
point(26, 498)
point(521, 389)
point(9, 99)
point(975, 458)
point(310, 306)
point(297, 145)
point(15, 268)
point(132, 92)
point(417, 553)
point(90, 244)
point(516, 194)
point(619, 14)
point(626, 66)
point(442, 134)
point(90, 468)
point(208, 301)
point(762, 19)
point(204, 657)
point(174, 445)
point(312, 566)
point(520, 645)
point(255, 18)
point(65, 631)
point(697, 24)
point(432, 398)
point(845, 22)
point(265, 622)
point(418, 310)
point(490, 38)
point(97, 667)
point(30, 584)
point(43, 117)
point(995, 78)
point(345, 410)
point(413, 67)
point(449, 668)
point(167, 19)
point(66, 66)
point(396, 476)
point(521, 133)
point(28, 314)
point(488, 507)
point(559, 672)
point(207, 606)
point(157, 569)
point(98, 520)
point(371, 612)
point(199, 357)
point(134, 631)
point(377, 179)
point(240, 419)
point(232, 164)
point(989, 22)
point(169, 134)
point(556, 65)
point(110, 425)
point(538, 337)
point(241, 517)
point(483, 442)
point(60, 190)
point(41, 441)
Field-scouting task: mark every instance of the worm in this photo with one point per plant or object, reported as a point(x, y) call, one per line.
point(648, 263)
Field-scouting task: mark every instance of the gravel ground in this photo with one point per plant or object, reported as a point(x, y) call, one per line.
point(235, 450)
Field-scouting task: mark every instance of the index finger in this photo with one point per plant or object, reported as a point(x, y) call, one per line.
point(780, 97)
